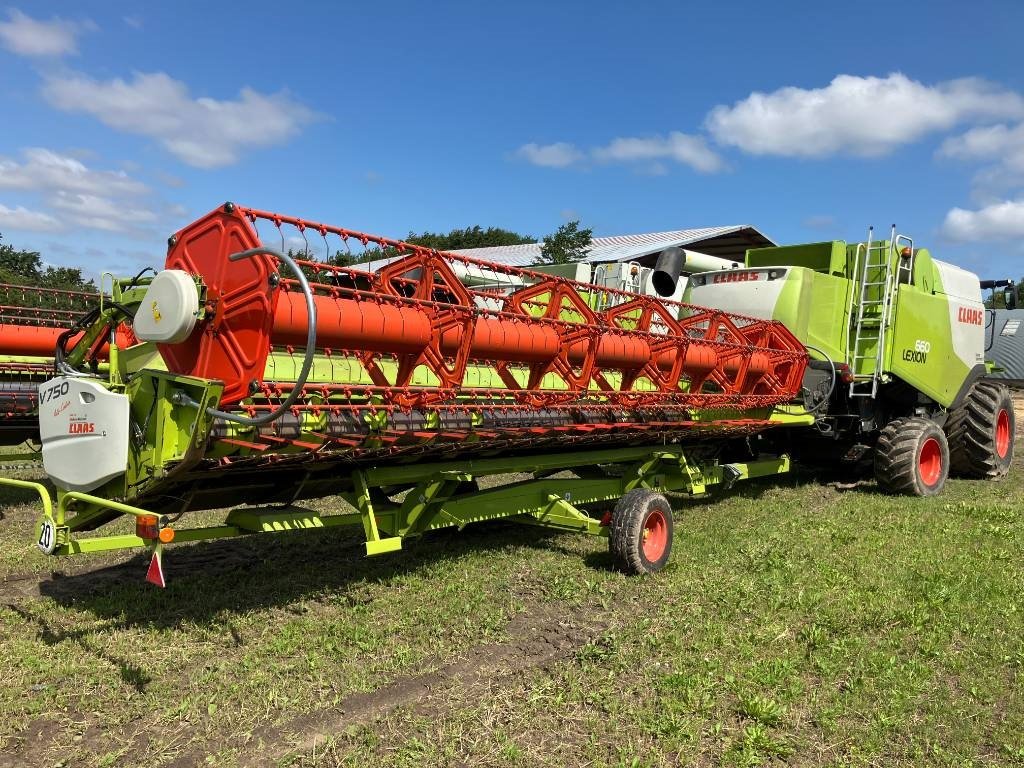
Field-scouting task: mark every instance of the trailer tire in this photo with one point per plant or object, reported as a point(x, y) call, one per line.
point(640, 535)
point(980, 432)
point(912, 457)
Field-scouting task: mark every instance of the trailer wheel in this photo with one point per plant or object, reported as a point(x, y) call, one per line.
point(912, 457)
point(640, 538)
point(981, 433)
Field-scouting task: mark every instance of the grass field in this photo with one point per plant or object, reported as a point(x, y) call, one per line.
point(798, 623)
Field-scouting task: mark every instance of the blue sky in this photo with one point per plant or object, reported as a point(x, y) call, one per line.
point(123, 121)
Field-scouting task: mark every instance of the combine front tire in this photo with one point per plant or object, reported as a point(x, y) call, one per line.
point(640, 538)
point(912, 457)
point(981, 433)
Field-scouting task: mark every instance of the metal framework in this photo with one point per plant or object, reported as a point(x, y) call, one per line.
point(31, 321)
point(398, 389)
point(435, 496)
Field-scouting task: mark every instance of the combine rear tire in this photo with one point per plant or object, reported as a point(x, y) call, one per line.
point(981, 432)
point(912, 457)
point(640, 538)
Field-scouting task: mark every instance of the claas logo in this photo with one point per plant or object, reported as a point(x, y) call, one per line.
point(969, 316)
point(81, 428)
point(736, 277)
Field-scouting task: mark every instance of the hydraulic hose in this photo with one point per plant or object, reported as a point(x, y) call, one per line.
point(307, 361)
point(832, 385)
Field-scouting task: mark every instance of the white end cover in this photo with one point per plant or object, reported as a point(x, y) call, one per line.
point(84, 429)
point(168, 311)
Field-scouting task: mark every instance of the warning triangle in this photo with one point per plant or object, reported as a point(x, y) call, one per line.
point(155, 574)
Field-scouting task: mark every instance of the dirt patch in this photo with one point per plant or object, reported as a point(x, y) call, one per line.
point(541, 636)
point(537, 638)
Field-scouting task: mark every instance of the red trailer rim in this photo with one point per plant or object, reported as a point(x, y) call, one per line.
point(655, 535)
point(1002, 433)
point(929, 461)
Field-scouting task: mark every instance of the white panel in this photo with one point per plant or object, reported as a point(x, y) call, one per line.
point(958, 282)
point(169, 309)
point(966, 312)
point(743, 291)
point(84, 429)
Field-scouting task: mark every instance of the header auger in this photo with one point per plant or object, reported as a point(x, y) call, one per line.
point(417, 333)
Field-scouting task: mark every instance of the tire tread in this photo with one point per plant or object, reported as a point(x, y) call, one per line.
point(896, 465)
point(970, 429)
point(626, 534)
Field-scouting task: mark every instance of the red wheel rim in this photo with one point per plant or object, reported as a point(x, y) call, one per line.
point(929, 461)
point(1003, 433)
point(655, 535)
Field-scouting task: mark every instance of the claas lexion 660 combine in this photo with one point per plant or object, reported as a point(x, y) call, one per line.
point(240, 377)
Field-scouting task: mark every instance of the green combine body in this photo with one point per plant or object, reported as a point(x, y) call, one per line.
point(897, 336)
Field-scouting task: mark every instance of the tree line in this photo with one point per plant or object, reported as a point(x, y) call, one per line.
point(567, 244)
point(20, 266)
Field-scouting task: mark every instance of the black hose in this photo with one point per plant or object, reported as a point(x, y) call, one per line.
point(832, 385)
point(307, 362)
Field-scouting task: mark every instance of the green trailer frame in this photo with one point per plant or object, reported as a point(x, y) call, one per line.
point(437, 495)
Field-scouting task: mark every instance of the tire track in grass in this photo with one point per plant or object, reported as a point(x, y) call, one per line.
point(541, 636)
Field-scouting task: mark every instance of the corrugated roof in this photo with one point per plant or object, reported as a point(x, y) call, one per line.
point(728, 242)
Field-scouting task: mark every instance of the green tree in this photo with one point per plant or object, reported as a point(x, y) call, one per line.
point(24, 267)
point(470, 237)
point(567, 244)
point(18, 266)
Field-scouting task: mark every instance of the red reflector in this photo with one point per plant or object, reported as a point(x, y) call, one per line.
point(147, 526)
point(155, 574)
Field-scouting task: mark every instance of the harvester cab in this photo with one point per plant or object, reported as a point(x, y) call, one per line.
point(897, 344)
point(1004, 334)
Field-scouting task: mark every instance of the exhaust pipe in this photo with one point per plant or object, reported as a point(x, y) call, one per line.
point(666, 273)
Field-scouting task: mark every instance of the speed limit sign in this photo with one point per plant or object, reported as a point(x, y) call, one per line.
point(46, 535)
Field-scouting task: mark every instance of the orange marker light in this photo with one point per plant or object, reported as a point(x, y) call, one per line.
point(147, 526)
point(166, 535)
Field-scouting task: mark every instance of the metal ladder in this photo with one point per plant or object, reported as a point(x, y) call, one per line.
point(876, 281)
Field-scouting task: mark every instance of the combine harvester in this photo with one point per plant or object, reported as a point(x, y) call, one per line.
point(252, 381)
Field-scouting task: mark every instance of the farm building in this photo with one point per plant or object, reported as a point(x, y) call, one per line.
point(727, 242)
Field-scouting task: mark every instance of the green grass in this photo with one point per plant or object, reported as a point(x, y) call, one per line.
point(797, 623)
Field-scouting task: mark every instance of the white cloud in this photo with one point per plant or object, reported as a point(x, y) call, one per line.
point(645, 152)
point(1001, 146)
point(78, 196)
point(558, 155)
point(203, 132)
point(860, 115)
point(103, 213)
point(680, 147)
point(999, 221)
point(25, 36)
point(986, 143)
point(22, 218)
point(44, 169)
